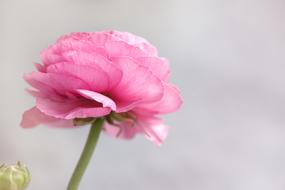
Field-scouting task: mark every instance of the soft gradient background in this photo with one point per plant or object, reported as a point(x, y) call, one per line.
point(228, 58)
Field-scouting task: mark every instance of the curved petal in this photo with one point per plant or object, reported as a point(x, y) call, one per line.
point(121, 48)
point(87, 112)
point(33, 117)
point(95, 58)
point(134, 40)
point(138, 84)
point(152, 128)
point(87, 40)
point(95, 77)
point(70, 109)
point(170, 102)
point(106, 102)
point(50, 55)
point(156, 133)
point(40, 67)
point(82, 40)
point(159, 66)
point(73, 41)
point(53, 83)
point(124, 130)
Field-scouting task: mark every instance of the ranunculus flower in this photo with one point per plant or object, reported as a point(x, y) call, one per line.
point(110, 74)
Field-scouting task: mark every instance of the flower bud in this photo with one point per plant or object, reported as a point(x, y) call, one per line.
point(14, 177)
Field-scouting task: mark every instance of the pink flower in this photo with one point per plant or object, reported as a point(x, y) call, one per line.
point(108, 74)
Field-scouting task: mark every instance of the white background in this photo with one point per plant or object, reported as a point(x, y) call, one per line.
point(228, 58)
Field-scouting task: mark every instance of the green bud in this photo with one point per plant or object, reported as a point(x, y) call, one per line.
point(14, 177)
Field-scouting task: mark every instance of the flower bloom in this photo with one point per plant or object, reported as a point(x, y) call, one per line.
point(110, 74)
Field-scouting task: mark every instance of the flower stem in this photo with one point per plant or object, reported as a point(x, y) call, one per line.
point(86, 154)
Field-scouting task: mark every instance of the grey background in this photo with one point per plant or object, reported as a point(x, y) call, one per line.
point(228, 58)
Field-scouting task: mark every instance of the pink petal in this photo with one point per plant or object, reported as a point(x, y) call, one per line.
point(170, 102)
point(94, 76)
point(40, 67)
point(156, 133)
point(85, 41)
point(82, 40)
point(96, 58)
point(152, 128)
point(52, 82)
point(121, 48)
point(107, 102)
point(70, 109)
point(43, 90)
point(35, 93)
point(159, 66)
point(138, 84)
point(124, 130)
point(50, 56)
point(134, 40)
point(87, 112)
point(33, 117)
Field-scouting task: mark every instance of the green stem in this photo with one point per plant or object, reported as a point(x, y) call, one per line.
point(86, 154)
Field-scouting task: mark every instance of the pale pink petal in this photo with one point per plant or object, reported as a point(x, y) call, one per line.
point(170, 102)
point(83, 41)
point(94, 76)
point(125, 106)
point(40, 67)
point(70, 109)
point(106, 101)
point(33, 117)
point(124, 130)
point(156, 133)
point(95, 58)
point(57, 82)
point(36, 93)
point(136, 41)
point(82, 112)
point(43, 90)
point(86, 41)
point(50, 56)
point(152, 128)
point(120, 48)
point(159, 66)
point(138, 84)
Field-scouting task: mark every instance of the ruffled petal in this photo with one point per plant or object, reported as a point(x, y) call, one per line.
point(124, 130)
point(152, 128)
point(71, 109)
point(133, 40)
point(53, 83)
point(95, 58)
point(42, 90)
point(138, 84)
point(40, 67)
point(87, 112)
point(124, 40)
point(156, 133)
point(33, 117)
point(94, 76)
point(121, 48)
point(170, 102)
point(50, 56)
point(106, 102)
point(159, 66)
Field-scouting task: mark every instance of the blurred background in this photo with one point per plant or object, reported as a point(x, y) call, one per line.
point(227, 57)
